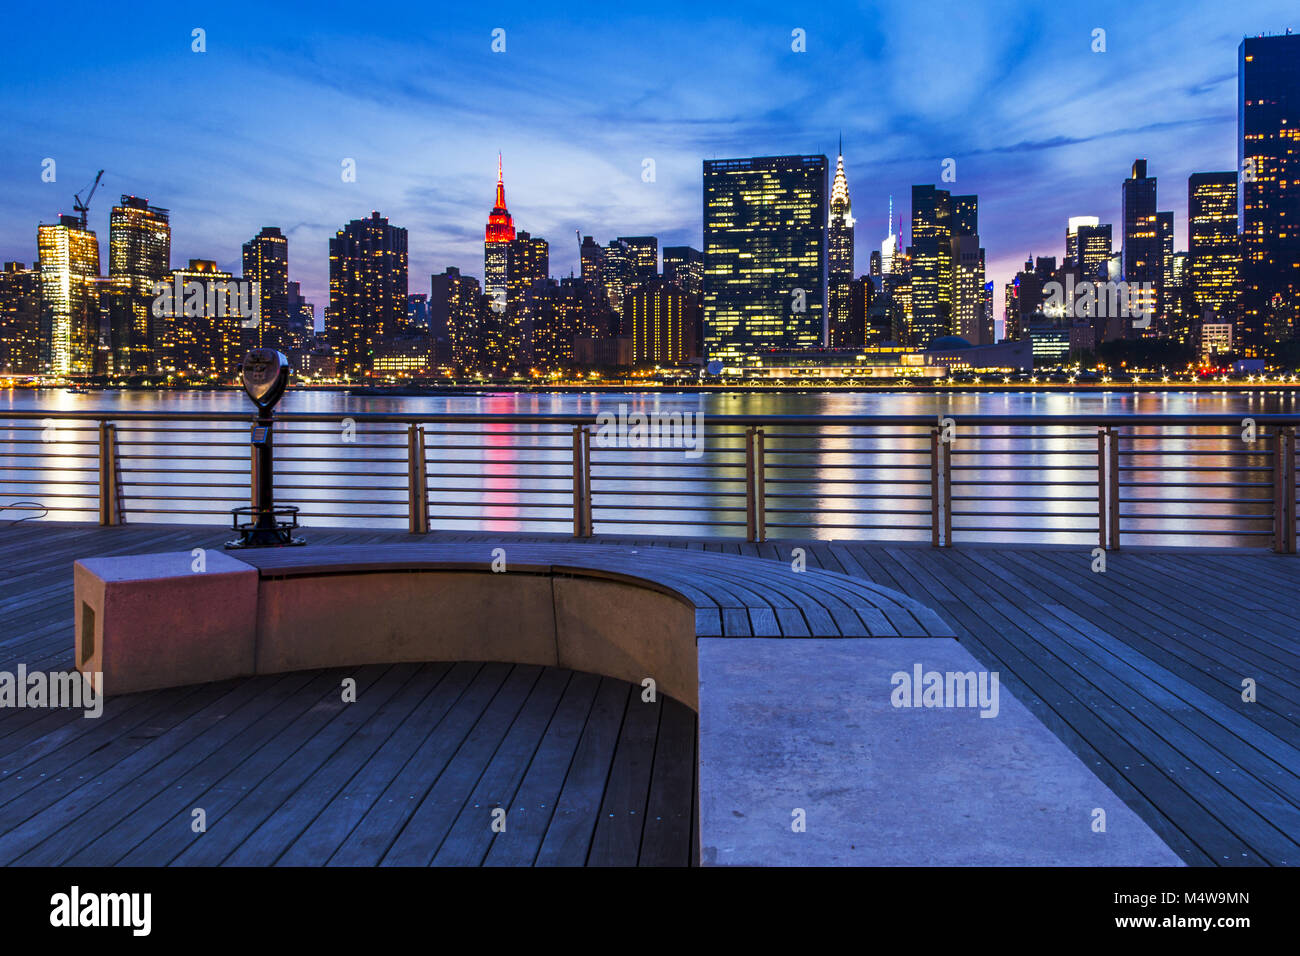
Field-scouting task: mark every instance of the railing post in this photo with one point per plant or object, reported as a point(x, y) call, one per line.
point(1112, 489)
point(416, 481)
point(110, 477)
point(940, 491)
point(751, 504)
point(1103, 516)
point(576, 434)
point(1284, 488)
point(587, 525)
point(945, 451)
point(934, 487)
point(581, 482)
point(760, 487)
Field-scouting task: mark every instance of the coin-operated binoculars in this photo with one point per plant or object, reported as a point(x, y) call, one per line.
point(265, 373)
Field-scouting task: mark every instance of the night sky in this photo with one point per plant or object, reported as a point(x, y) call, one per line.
point(253, 132)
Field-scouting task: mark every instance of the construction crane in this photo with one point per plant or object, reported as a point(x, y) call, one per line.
point(84, 207)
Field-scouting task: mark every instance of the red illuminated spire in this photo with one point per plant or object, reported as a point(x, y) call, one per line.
point(500, 227)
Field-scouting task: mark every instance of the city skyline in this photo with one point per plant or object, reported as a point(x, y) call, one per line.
point(582, 166)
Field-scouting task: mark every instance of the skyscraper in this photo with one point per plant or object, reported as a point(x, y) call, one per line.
point(302, 318)
point(20, 320)
point(205, 347)
point(764, 254)
point(500, 231)
point(968, 290)
point(591, 255)
point(684, 267)
point(643, 257)
point(947, 266)
point(660, 316)
point(1268, 128)
point(839, 246)
point(1072, 227)
point(454, 307)
point(559, 313)
point(1142, 254)
point(69, 259)
point(266, 262)
point(1165, 233)
point(617, 273)
point(1093, 248)
point(505, 333)
point(368, 286)
point(1213, 246)
point(139, 254)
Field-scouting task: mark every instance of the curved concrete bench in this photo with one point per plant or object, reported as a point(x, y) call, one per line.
point(153, 621)
point(808, 725)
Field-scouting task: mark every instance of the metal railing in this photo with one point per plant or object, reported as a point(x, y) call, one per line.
point(1099, 480)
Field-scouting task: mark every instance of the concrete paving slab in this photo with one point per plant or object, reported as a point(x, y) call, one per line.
point(812, 725)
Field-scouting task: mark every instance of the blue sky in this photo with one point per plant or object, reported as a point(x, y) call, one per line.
point(253, 131)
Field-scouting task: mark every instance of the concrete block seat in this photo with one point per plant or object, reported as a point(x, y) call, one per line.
point(151, 621)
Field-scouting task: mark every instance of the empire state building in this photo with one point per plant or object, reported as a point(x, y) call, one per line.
point(496, 238)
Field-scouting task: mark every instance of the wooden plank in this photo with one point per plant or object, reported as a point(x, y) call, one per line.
point(666, 839)
point(436, 812)
point(568, 838)
point(534, 804)
point(470, 837)
point(375, 833)
point(617, 841)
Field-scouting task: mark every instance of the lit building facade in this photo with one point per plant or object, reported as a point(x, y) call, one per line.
point(70, 292)
point(1142, 252)
point(1213, 247)
point(454, 305)
point(368, 287)
point(617, 273)
point(497, 235)
point(839, 246)
point(139, 255)
point(765, 262)
point(643, 257)
point(684, 267)
point(661, 318)
point(204, 342)
point(266, 262)
point(1268, 137)
point(20, 320)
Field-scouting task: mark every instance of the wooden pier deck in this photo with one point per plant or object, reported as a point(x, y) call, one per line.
point(1138, 670)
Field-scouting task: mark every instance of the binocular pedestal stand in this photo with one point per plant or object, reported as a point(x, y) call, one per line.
point(264, 524)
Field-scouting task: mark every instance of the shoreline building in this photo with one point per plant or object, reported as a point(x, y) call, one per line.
point(839, 247)
point(1268, 144)
point(1213, 247)
point(139, 255)
point(500, 231)
point(661, 317)
point(1143, 252)
point(266, 262)
point(947, 268)
point(454, 313)
point(764, 255)
point(70, 293)
point(368, 287)
point(206, 347)
point(643, 258)
point(20, 320)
